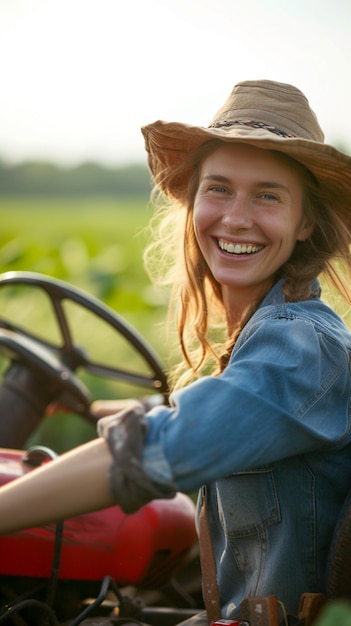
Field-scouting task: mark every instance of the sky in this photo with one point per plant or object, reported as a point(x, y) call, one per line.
point(80, 77)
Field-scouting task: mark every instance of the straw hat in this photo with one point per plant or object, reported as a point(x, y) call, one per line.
point(262, 113)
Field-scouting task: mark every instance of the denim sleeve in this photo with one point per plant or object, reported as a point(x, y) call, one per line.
point(285, 392)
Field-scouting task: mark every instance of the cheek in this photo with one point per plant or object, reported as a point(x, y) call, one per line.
point(200, 225)
point(203, 217)
point(278, 226)
point(197, 220)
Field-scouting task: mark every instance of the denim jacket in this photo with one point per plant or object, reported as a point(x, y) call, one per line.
point(270, 438)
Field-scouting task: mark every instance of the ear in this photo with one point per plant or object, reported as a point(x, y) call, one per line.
point(305, 230)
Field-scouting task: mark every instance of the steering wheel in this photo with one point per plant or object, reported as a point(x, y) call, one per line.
point(44, 369)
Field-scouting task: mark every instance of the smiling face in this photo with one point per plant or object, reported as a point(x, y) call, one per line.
point(247, 217)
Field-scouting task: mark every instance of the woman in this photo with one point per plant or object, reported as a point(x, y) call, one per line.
point(261, 209)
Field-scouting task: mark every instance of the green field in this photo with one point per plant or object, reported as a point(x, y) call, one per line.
point(95, 245)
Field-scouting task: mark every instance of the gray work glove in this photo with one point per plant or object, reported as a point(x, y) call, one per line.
point(130, 485)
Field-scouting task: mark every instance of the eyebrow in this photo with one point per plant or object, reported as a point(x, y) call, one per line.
point(219, 177)
point(264, 184)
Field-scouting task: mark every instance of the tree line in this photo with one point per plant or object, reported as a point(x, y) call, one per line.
point(86, 179)
point(43, 178)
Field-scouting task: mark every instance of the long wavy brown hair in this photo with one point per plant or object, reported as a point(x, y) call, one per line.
point(173, 259)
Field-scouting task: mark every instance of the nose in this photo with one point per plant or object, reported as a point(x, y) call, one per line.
point(237, 214)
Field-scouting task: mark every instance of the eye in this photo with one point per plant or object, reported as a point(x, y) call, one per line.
point(218, 189)
point(268, 196)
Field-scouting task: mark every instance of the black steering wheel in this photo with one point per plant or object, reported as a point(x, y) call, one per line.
point(43, 370)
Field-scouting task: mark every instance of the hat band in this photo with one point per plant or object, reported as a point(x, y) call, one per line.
point(252, 124)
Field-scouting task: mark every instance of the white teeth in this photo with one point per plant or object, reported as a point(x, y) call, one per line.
point(238, 248)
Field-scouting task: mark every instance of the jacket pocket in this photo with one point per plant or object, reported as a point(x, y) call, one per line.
point(248, 502)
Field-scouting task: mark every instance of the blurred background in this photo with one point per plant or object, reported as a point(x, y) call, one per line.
point(78, 80)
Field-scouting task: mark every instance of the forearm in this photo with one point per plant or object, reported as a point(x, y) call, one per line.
point(96, 475)
point(75, 483)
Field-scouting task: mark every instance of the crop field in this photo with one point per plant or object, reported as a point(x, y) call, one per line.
point(96, 246)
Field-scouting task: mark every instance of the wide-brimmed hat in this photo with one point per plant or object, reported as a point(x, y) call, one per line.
point(262, 113)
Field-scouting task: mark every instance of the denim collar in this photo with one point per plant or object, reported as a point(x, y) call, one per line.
point(276, 296)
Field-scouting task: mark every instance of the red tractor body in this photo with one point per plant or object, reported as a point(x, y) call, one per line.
point(142, 549)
